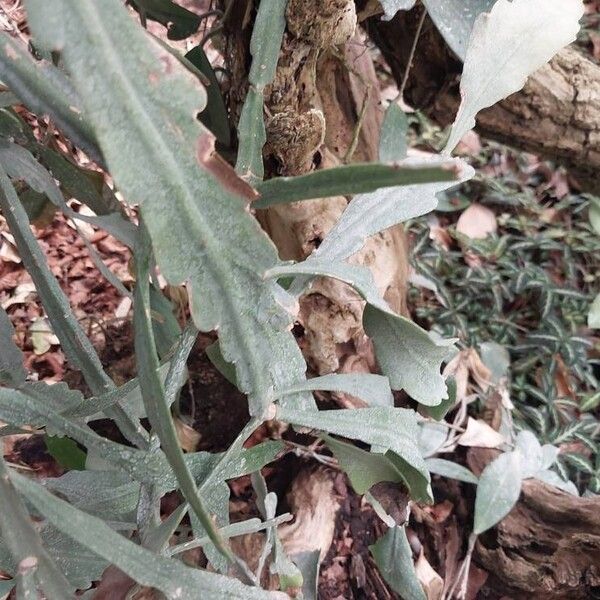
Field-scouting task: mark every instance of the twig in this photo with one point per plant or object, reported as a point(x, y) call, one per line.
point(411, 56)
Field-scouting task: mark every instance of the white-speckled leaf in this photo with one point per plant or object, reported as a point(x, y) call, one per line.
point(171, 577)
point(367, 214)
point(454, 20)
point(506, 46)
point(143, 104)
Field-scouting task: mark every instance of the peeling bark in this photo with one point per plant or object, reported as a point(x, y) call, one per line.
point(556, 114)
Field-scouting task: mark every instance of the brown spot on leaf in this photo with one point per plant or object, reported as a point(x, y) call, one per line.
point(221, 170)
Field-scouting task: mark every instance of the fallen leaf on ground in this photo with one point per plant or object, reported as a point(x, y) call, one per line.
point(480, 435)
point(477, 222)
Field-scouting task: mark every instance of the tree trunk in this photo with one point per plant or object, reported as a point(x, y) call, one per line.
point(556, 114)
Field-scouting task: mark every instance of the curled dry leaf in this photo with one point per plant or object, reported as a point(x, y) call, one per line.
point(8, 249)
point(480, 435)
point(467, 365)
point(188, 437)
point(477, 222)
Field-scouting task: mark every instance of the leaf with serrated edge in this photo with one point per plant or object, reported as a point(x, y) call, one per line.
point(367, 214)
point(506, 46)
point(171, 577)
point(498, 490)
point(161, 157)
point(407, 355)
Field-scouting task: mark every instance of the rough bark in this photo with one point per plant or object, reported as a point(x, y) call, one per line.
point(547, 547)
point(557, 114)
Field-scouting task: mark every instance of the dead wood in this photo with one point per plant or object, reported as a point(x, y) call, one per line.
point(547, 547)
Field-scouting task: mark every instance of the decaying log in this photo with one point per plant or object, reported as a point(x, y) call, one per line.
point(547, 547)
point(557, 114)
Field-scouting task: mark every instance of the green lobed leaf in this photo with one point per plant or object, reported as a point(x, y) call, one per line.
point(498, 490)
point(45, 90)
point(12, 371)
point(506, 46)
point(373, 389)
point(408, 355)
point(445, 406)
point(161, 157)
point(393, 557)
point(385, 428)
point(171, 577)
point(24, 542)
point(357, 178)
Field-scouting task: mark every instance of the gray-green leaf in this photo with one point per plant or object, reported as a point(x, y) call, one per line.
point(408, 355)
point(506, 46)
point(498, 490)
point(171, 577)
point(393, 557)
point(161, 157)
